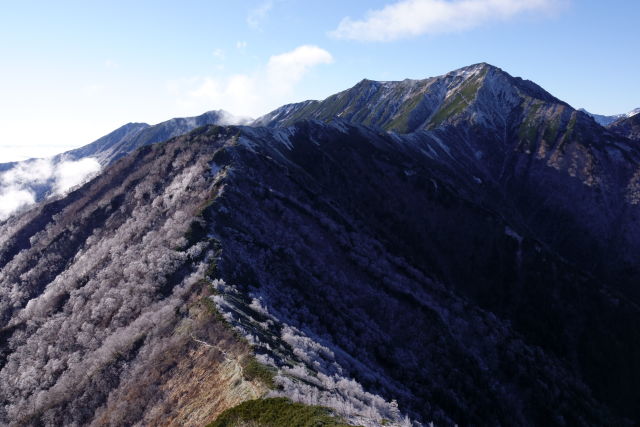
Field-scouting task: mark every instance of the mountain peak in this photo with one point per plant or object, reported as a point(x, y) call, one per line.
point(479, 90)
point(480, 66)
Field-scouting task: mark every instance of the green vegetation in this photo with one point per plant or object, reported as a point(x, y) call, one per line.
point(529, 129)
point(528, 134)
point(459, 101)
point(212, 268)
point(254, 370)
point(277, 412)
point(401, 122)
point(306, 111)
point(212, 310)
point(332, 106)
point(550, 133)
point(194, 234)
point(572, 124)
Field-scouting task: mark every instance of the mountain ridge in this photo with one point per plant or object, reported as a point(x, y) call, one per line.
point(413, 255)
point(479, 269)
point(368, 95)
point(30, 186)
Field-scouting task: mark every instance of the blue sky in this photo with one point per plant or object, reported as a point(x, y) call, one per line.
point(73, 71)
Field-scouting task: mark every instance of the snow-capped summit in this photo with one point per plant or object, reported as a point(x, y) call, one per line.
point(633, 112)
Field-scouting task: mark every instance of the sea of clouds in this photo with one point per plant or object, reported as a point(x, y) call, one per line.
point(18, 185)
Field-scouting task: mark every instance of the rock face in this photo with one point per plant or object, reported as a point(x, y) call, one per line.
point(461, 249)
point(411, 105)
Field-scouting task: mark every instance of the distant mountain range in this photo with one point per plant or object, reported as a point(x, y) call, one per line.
point(461, 249)
point(35, 187)
point(132, 136)
point(607, 120)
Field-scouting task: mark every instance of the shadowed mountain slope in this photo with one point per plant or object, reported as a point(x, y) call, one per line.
point(351, 239)
point(379, 244)
point(472, 262)
point(505, 140)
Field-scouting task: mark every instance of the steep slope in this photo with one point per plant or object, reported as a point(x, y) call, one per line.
point(409, 105)
point(106, 316)
point(113, 146)
point(505, 134)
point(351, 260)
point(103, 320)
point(469, 256)
point(361, 241)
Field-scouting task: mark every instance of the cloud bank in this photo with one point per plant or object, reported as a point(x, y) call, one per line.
point(410, 18)
point(255, 93)
point(19, 186)
point(72, 173)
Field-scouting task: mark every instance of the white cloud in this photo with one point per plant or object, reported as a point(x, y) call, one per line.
point(12, 200)
point(17, 184)
point(71, 173)
point(109, 63)
point(251, 94)
point(409, 18)
point(287, 69)
point(236, 93)
point(258, 14)
point(37, 171)
point(241, 44)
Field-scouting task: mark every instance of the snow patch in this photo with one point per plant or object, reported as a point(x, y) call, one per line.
point(633, 112)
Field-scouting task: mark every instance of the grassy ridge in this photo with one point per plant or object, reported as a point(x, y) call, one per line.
point(277, 412)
